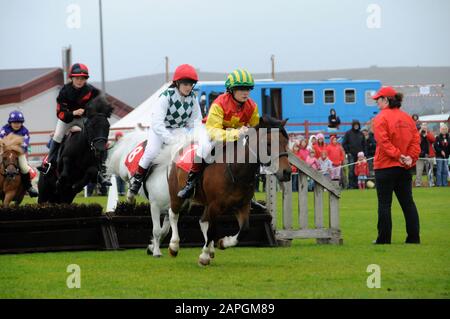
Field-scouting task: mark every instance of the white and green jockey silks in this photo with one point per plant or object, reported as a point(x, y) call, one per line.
point(179, 109)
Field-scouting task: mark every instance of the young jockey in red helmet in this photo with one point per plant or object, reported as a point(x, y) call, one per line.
point(177, 107)
point(71, 103)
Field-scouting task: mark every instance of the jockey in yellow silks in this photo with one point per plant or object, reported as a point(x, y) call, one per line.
point(229, 117)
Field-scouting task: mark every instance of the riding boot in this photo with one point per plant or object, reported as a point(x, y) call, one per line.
point(51, 159)
point(26, 180)
point(137, 179)
point(194, 174)
point(102, 179)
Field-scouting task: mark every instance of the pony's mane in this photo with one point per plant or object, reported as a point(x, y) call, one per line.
point(12, 142)
point(99, 105)
point(271, 122)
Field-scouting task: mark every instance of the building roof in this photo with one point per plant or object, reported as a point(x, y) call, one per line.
point(16, 77)
point(17, 85)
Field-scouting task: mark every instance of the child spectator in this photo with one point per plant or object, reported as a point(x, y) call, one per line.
point(303, 151)
point(312, 142)
point(333, 121)
point(361, 170)
point(325, 164)
point(320, 145)
point(312, 161)
point(336, 155)
point(295, 150)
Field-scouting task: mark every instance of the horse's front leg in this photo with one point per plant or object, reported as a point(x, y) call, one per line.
point(64, 176)
point(174, 244)
point(242, 217)
point(204, 258)
point(208, 228)
point(154, 247)
point(8, 198)
point(89, 176)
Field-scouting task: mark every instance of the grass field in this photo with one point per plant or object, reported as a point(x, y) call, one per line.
point(304, 270)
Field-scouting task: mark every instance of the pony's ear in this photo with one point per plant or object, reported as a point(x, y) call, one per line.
point(283, 122)
point(263, 119)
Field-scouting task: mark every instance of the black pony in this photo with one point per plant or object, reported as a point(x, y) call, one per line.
point(80, 156)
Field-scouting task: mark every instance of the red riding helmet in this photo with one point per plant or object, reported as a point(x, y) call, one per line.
point(185, 71)
point(79, 69)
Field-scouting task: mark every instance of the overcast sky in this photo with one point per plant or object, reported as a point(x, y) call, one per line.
point(219, 36)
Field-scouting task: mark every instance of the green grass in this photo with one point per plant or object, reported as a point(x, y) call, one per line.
point(304, 270)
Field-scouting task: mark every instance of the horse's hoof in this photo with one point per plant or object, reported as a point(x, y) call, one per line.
point(203, 262)
point(220, 244)
point(173, 253)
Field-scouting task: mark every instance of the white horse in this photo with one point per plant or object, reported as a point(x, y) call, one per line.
point(156, 184)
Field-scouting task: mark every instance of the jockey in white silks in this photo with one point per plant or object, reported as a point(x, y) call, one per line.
point(177, 108)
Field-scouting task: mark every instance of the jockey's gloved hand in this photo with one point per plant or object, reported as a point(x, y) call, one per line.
point(243, 131)
point(170, 140)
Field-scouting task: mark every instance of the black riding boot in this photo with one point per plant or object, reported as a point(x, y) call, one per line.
point(51, 159)
point(102, 179)
point(188, 189)
point(26, 180)
point(137, 179)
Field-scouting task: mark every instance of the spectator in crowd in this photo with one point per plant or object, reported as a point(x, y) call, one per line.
point(303, 150)
point(415, 118)
point(425, 160)
point(336, 155)
point(325, 165)
point(320, 145)
point(442, 148)
point(354, 142)
point(333, 121)
point(398, 147)
point(312, 161)
point(362, 170)
point(312, 142)
point(294, 170)
point(371, 145)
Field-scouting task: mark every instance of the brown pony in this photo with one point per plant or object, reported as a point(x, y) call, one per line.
point(11, 188)
point(228, 187)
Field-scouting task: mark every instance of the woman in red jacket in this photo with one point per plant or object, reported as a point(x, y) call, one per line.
point(398, 148)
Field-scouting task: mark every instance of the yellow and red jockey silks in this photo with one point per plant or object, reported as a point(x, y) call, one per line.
point(225, 113)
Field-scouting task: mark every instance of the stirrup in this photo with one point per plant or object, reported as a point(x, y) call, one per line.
point(41, 168)
point(188, 189)
point(32, 192)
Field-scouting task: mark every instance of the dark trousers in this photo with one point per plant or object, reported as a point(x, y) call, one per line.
point(398, 180)
point(352, 178)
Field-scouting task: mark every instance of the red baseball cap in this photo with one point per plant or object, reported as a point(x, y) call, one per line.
point(385, 91)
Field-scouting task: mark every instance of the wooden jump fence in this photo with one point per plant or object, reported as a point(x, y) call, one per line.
point(323, 234)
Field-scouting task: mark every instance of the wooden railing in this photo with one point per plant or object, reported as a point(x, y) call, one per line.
point(323, 234)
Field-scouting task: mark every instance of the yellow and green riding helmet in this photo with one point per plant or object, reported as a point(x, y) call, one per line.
point(239, 77)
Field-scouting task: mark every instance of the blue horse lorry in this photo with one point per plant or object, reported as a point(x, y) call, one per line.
point(301, 101)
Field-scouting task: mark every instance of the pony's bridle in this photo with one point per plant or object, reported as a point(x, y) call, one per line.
point(8, 164)
point(280, 155)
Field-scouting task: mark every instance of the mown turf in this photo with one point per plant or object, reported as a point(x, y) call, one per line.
point(304, 270)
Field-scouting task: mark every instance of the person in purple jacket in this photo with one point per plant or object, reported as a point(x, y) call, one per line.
point(15, 126)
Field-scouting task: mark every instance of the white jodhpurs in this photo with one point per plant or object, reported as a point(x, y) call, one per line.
point(205, 145)
point(23, 164)
point(62, 128)
point(154, 144)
